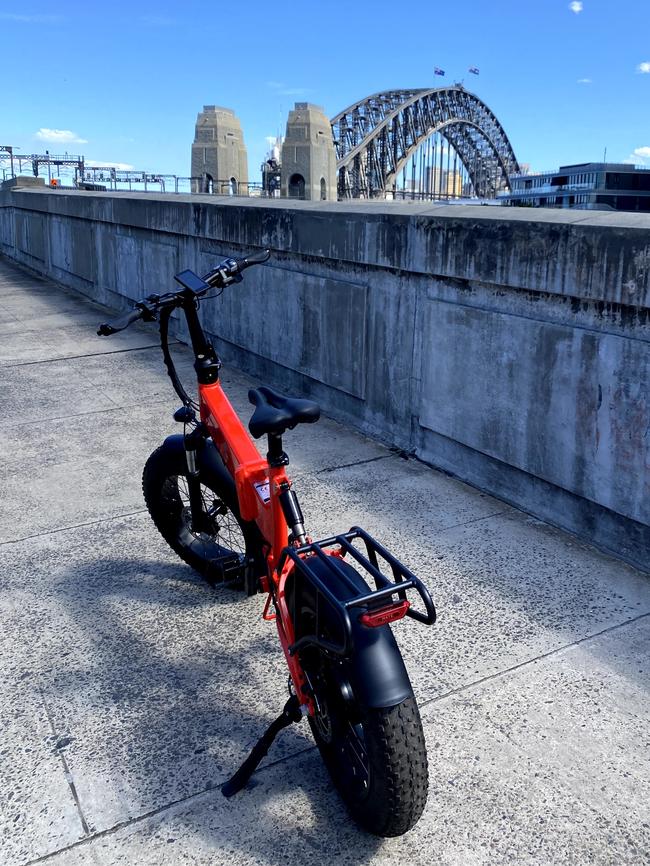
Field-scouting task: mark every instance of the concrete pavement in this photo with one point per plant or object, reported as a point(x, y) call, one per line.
point(130, 689)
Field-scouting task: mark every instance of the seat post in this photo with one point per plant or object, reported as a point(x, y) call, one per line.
point(276, 455)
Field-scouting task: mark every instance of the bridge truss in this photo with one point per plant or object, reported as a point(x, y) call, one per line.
point(438, 143)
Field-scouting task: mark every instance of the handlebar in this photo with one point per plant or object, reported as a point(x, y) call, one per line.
point(226, 273)
point(108, 328)
point(230, 269)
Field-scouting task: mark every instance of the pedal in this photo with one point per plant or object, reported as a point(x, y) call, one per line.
point(291, 713)
point(227, 569)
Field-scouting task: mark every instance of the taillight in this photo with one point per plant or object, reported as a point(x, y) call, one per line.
point(384, 615)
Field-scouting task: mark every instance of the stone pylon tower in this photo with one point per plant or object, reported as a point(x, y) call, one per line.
point(219, 158)
point(308, 156)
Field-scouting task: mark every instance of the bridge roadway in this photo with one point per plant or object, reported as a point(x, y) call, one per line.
point(130, 690)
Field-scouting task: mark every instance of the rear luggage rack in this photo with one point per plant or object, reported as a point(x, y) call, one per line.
point(378, 605)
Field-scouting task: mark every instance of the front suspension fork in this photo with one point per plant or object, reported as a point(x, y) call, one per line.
point(192, 442)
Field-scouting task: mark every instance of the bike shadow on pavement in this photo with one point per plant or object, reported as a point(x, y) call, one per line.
point(160, 685)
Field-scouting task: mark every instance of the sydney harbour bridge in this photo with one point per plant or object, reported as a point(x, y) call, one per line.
point(428, 143)
point(442, 142)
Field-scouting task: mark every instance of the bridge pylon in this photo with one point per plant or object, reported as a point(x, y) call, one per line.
point(308, 157)
point(219, 155)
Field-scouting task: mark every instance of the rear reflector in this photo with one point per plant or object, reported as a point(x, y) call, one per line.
point(384, 615)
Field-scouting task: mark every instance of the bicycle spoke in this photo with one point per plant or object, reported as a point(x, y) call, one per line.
point(226, 531)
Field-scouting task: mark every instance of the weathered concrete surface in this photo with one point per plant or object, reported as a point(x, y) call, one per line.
point(508, 347)
point(129, 690)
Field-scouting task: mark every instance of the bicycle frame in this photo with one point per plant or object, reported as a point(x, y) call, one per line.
point(258, 485)
point(263, 490)
point(354, 684)
point(255, 480)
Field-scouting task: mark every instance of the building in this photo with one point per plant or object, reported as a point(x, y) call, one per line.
point(443, 184)
point(588, 185)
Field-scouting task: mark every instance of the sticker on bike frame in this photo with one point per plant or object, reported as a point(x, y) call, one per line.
point(263, 491)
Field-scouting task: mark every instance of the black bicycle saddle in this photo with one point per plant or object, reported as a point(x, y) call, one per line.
point(275, 413)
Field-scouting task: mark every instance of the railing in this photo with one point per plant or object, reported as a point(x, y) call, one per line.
point(600, 166)
point(549, 188)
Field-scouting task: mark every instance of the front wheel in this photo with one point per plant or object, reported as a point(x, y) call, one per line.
point(229, 549)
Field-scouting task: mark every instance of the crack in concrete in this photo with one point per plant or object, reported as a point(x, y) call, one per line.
point(73, 526)
point(350, 465)
point(188, 799)
point(87, 355)
point(474, 520)
point(532, 660)
point(116, 407)
point(66, 769)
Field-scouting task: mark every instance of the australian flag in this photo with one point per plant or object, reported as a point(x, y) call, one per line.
point(474, 70)
point(438, 71)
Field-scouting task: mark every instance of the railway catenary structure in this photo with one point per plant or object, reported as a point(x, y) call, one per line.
point(429, 134)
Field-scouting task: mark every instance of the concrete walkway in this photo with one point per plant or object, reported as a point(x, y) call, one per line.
point(130, 689)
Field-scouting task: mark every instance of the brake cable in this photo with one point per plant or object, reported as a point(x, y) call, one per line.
point(165, 314)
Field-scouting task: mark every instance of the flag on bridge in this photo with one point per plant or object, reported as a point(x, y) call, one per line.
point(474, 70)
point(438, 71)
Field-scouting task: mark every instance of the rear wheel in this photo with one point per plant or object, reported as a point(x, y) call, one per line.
point(376, 756)
point(228, 546)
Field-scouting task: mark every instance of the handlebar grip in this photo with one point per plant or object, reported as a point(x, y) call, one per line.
point(108, 328)
point(255, 259)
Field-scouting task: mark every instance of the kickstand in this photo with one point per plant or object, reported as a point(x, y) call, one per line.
point(290, 713)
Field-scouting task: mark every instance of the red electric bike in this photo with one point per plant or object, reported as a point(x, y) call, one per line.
point(235, 518)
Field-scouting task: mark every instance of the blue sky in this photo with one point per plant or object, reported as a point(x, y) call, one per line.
point(123, 82)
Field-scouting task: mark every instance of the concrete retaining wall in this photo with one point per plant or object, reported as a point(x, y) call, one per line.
point(508, 347)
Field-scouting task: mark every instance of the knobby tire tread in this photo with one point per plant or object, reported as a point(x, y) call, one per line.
point(399, 779)
point(160, 466)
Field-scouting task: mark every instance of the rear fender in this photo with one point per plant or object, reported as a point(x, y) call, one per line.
point(375, 670)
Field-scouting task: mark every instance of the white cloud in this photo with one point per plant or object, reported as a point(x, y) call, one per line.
point(644, 67)
point(576, 6)
point(283, 90)
point(639, 156)
point(98, 163)
point(584, 81)
point(29, 19)
point(59, 136)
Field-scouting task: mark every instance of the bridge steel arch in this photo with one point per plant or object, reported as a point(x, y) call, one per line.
point(376, 137)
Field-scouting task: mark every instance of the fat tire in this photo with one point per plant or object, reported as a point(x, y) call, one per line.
point(396, 759)
point(398, 771)
point(164, 510)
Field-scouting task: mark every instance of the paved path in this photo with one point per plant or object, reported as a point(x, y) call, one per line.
point(130, 690)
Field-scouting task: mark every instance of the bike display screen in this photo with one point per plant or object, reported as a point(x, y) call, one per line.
point(192, 281)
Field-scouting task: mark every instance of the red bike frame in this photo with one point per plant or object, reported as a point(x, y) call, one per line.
point(258, 487)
